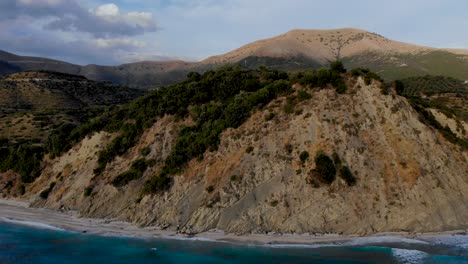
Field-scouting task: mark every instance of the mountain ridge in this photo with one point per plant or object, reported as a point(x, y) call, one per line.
point(295, 49)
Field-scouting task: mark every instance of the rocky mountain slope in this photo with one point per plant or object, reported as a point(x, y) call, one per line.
point(294, 50)
point(335, 153)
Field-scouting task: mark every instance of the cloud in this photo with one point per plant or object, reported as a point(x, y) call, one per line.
point(67, 15)
point(68, 30)
point(107, 11)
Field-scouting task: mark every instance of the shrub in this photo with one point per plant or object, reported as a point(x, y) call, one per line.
point(290, 104)
point(249, 149)
point(145, 151)
point(336, 160)
point(210, 189)
point(304, 156)
point(87, 191)
point(347, 175)
point(303, 95)
point(136, 171)
point(45, 194)
point(126, 177)
point(337, 66)
point(235, 177)
point(269, 116)
point(289, 148)
point(21, 189)
point(158, 183)
point(341, 88)
point(325, 168)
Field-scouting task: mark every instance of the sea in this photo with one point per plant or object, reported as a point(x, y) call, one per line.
point(22, 242)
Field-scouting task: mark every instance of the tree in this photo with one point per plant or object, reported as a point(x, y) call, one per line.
point(337, 66)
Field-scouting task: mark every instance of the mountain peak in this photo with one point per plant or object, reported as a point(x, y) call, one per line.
point(319, 45)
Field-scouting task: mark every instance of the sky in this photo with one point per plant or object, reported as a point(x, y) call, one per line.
point(112, 32)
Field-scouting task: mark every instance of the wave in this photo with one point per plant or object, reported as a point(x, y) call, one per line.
point(30, 224)
point(383, 239)
point(410, 256)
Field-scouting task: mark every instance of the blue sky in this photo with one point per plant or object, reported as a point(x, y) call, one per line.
point(120, 31)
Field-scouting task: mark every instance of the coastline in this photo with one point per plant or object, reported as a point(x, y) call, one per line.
point(19, 212)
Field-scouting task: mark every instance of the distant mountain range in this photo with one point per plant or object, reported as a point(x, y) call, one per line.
point(296, 49)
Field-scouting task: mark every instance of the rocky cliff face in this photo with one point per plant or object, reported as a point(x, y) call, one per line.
point(409, 177)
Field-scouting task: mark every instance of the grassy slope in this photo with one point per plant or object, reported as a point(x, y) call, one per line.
point(433, 63)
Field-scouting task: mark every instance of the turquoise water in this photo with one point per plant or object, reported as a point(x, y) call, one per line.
point(22, 244)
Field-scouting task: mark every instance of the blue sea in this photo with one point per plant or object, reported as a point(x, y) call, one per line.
point(26, 244)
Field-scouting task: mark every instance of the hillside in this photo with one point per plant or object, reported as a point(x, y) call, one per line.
point(38, 108)
point(294, 50)
point(256, 151)
point(57, 91)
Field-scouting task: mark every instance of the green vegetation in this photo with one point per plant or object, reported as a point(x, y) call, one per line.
point(322, 77)
point(347, 175)
point(210, 189)
point(430, 85)
point(45, 194)
point(324, 168)
point(21, 189)
point(303, 95)
point(428, 118)
point(235, 178)
point(87, 191)
point(304, 156)
point(343, 171)
point(337, 66)
point(136, 171)
point(270, 116)
point(23, 158)
point(445, 94)
point(249, 149)
point(434, 63)
point(145, 151)
point(367, 74)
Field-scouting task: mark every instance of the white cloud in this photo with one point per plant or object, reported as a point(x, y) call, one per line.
point(107, 11)
point(143, 19)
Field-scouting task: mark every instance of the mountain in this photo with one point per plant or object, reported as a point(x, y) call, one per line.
point(140, 74)
point(258, 151)
point(294, 50)
point(299, 49)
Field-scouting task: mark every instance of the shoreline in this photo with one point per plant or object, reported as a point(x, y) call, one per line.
point(19, 212)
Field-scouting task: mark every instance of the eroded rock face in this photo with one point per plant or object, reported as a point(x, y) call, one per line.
point(409, 178)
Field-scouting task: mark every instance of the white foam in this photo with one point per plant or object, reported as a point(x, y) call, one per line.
point(31, 224)
point(409, 256)
point(203, 239)
point(383, 239)
point(317, 245)
point(460, 241)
